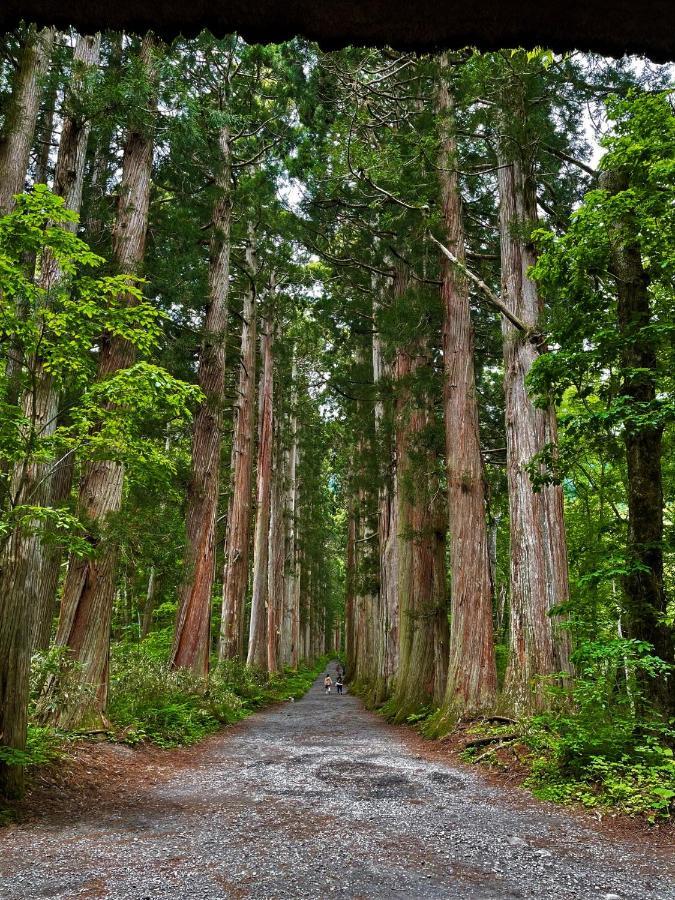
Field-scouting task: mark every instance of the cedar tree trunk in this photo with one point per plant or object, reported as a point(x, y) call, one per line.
point(257, 642)
point(89, 589)
point(539, 582)
point(192, 636)
point(643, 585)
point(472, 675)
point(237, 540)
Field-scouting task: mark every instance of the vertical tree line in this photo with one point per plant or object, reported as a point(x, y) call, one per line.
point(308, 353)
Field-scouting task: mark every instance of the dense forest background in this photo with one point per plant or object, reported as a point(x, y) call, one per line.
point(361, 352)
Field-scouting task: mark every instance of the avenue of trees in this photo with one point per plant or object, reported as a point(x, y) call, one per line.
point(360, 352)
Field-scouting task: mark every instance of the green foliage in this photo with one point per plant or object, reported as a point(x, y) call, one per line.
point(641, 782)
point(585, 368)
point(43, 745)
point(150, 702)
point(55, 669)
point(593, 746)
point(55, 325)
point(597, 714)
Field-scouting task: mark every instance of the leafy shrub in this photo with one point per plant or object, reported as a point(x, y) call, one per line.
point(54, 682)
point(642, 782)
point(43, 745)
point(149, 701)
point(602, 745)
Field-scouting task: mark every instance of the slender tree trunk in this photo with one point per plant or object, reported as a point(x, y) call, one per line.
point(472, 675)
point(22, 561)
point(539, 581)
point(16, 139)
point(103, 162)
point(237, 541)
point(367, 595)
point(643, 585)
point(388, 629)
point(191, 641)
point(423, 628)
point(372, 602)
point(297, 569)
point(257, 643)
point(306, 610)
point(150, 603)
point(366, 554)
point(89, 588)
point(388, 529)
point(276, 554)
point(45, 134)
point(350, 593)
point(288, 631)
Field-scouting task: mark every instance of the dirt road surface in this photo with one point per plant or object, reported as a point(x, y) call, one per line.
point(320, 799)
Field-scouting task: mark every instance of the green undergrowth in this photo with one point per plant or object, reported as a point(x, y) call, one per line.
point(598, 743)
point(149, 702)
point(564, 763)
point(43, 745)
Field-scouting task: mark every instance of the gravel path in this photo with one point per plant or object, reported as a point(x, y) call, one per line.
point(317, 799)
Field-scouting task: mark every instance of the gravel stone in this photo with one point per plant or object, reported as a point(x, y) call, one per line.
point(322, 798)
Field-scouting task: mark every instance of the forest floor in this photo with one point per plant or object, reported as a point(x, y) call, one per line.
point(313, 799)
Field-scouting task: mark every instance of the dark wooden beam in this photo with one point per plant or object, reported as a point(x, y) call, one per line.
point(611, 27)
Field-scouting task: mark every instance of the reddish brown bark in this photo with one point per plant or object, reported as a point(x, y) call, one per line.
point(366, 557)
point(15, 633)
point(237, 539)
point(257, 642)
point(193, 623)
point(350, 593)
point(288, 650)
point(21, 116)
point(276, 554)
point(472, 677)
point(387, 529)
point(296, 562)
point(89, 588)
point(422, 606)
point(539, 579)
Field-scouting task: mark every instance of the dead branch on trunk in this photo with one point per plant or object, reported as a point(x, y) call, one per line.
point(489, 294)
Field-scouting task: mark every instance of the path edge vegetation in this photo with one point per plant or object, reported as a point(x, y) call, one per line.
point(151, 704)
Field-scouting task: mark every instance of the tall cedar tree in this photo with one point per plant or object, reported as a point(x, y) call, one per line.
point(89, 588)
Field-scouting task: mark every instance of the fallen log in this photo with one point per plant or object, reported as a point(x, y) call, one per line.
point(493, 739)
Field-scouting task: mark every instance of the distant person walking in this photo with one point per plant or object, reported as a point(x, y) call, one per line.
point(340, 671)
point(339, 683)
point(327, 682)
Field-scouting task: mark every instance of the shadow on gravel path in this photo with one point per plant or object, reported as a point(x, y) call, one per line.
point(316, 799)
